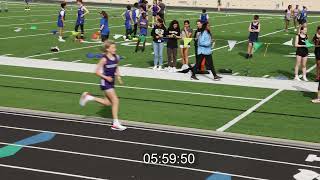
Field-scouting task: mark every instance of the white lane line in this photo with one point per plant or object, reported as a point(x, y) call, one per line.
point(249, 111)
point(309, 70)
point(128, 160)
point(50, 172)
point(235, 74)
point(126, 65)
point(158, 130)
point(68, 50)
point(163, 146)
point(266, 76)
point(7, 55)
point(44, 34)
point(76, 61)
point(47, 22)
point(131, 87)
point(53, 59)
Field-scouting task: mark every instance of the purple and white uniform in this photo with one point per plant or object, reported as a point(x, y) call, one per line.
point(109, 69)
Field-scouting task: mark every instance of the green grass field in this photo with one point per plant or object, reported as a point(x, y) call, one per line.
point(37, 43)
point(289, 115)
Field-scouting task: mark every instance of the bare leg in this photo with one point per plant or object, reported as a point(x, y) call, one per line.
point(186, 52)
point(296, 69)
point(112, 96)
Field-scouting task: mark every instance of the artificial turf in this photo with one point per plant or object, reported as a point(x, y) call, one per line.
point(225, 26)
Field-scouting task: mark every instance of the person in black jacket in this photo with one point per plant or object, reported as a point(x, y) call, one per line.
point(173, 34)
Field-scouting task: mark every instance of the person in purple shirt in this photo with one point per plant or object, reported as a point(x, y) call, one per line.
point(128, 21)
point(108, 71)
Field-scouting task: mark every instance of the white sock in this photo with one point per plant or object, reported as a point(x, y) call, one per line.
point(90, 98)
point(116, 122)
point(60, 37)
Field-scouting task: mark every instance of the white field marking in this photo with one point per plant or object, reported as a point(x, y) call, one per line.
point(53, 59)
point(86, 47)
point(266, 76)
point(162, 146)
point(131, 87)
point(129, 160)
point(158, 130)
point(235, 74)
point(76, 61)
point(68, 50)
point(249, 111)
point(33, 35)
point(126, 65)
point(309, 70)
point(36, 23)
point(50, 172)
point(7, 55)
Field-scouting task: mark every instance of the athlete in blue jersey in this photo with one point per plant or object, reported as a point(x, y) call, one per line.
point(82, 11)
point(303, 18)
point(108, 71)
point(104, 26)
point(61, 19)
point(204, 17)
point(128, 21)
point(143, 25)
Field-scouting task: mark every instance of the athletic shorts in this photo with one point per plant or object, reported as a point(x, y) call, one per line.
point(317, 53)
point(106, 85)
point(182, 46)
point(303, 52)
point(303, 21)
point(253, 37)
point(104, 37)
point(60, 24)
point(142, 38)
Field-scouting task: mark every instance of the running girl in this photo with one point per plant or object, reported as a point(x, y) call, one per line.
point(143, 24)
point(82, 11)
point(254, 29)
point(107, 70)
point(302, 54)
point(61, 19)
point(104, 26)
point(287, 17)
point(316, 40)
point(186, 32)
point(204, 17)
point(128, 21)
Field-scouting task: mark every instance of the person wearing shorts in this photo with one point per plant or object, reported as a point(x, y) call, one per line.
point(254, 29)
point(143, 25)
point(301, 54)
point(186, 32)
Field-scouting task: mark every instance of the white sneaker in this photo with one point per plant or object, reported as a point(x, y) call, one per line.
point(168, 68)
point(127, 40)
point(159, 68)
point(118, 127)
point(61, 40)
point(155, 67)
point(305, 78)
point(83, 99)
point(124, 38)
point(297, 78)
point(174, 69)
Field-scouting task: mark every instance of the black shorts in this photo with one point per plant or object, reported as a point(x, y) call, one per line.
point(302, 51)
point(104, 37)
point(317, 53)
point(253, 37)
point(302, 21)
